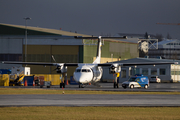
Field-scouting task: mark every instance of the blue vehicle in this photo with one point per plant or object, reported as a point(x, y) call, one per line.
point(5, 71)
point(136, 81)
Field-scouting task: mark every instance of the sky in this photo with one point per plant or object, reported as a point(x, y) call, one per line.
point(96, 17)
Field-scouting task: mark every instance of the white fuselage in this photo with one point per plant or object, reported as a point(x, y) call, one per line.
point(88, 73)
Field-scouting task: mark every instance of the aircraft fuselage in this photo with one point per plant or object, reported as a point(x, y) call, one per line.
point(88, 73)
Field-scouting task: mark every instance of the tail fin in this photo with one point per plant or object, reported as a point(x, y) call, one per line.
point(98, 55)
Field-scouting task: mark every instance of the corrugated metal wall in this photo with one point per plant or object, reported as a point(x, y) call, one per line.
point(42, 53)
point(11, 49)
point(111, 51)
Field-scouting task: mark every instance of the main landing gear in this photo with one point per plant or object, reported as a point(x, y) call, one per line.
point(62, 85)
point(64, 78)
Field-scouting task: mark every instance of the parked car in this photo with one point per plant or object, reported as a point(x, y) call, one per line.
point(155, 79)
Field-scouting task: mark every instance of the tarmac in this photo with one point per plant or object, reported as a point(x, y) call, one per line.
point(135, 100)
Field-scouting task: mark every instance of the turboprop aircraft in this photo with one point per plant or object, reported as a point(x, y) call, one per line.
point(87, 73)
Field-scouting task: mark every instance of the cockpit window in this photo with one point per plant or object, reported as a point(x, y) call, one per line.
point(86, 70)
point(78, 70)
point(83, 70)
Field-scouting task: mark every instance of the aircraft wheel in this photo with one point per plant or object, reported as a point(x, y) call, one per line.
point(81, 85)
point(132, 86)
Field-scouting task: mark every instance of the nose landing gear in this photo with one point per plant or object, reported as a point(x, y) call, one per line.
point(81, 85)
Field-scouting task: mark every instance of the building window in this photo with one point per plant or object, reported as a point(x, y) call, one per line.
point(153, 71)
point(175, 72)
point(145, 71)
point(162, 71)
point(134, 71)
point(123, 73)
point(137, 70)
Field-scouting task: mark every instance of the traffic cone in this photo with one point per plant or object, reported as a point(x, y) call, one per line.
point(25, 84)
point(67, 82)
point(33, 83)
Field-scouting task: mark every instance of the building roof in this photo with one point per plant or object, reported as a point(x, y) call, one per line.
point(38, 29)
point(134, 35)
point(140, 60)
point(167, 41)
point(10, 29)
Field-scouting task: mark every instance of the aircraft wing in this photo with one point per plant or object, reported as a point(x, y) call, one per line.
point(133, 64)
point(41, 63)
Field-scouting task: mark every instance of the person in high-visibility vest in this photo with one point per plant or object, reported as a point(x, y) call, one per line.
point(116, 83)
point(117, 75)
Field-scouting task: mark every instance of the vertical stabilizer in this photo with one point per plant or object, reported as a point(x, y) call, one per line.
point(98, 55)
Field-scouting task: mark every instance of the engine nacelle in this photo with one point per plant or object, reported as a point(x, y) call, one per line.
point(61, 69)
point(114, 68)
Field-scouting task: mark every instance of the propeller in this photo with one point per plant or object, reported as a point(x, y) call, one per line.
point(57, 69)
point(112, 67)
point(53, 59)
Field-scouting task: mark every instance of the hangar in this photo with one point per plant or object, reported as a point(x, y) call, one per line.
point(42, 43)
point(167, 72)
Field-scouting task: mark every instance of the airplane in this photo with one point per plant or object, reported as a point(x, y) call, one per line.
point(86, 73)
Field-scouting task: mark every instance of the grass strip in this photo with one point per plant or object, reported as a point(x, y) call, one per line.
point(54, 91)
point(89, 113)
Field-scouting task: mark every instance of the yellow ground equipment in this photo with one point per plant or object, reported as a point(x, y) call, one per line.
point(4, 80)
point(54, 78)
point(17, 80)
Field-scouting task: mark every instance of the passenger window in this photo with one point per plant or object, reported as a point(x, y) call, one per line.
point(137, 80)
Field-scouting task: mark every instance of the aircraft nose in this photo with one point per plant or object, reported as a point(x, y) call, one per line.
point(76, 77)
point(79, 78)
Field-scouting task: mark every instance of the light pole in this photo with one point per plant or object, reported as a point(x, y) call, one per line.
point(26, 18)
